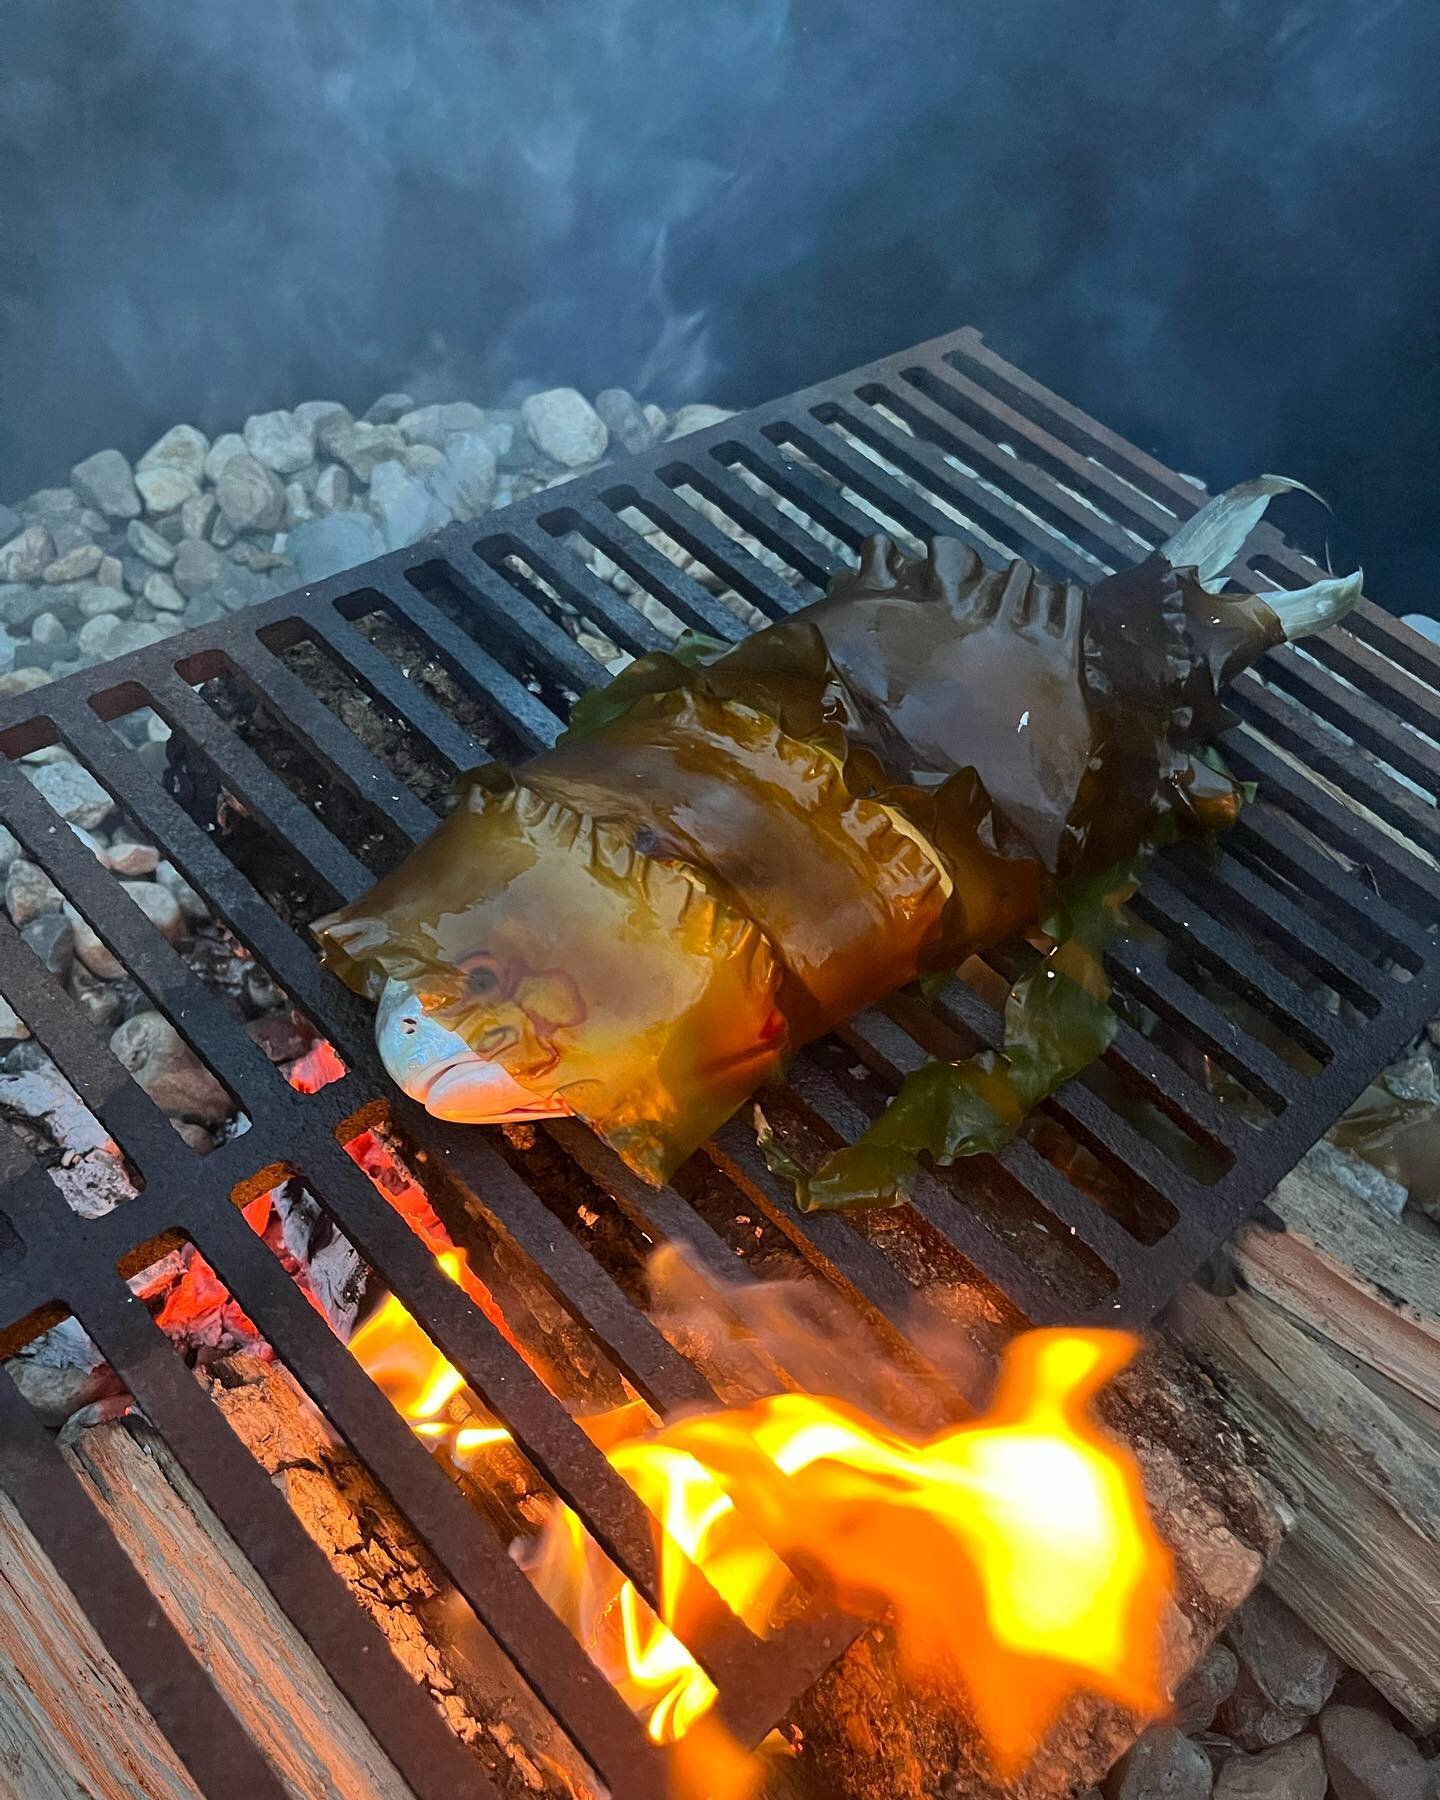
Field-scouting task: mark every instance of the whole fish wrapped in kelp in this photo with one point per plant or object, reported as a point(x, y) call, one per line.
point(732, 849)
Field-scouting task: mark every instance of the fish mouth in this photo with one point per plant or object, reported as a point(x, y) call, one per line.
point(472, 1091)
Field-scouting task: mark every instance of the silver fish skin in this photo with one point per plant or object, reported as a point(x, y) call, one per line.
point(437, 1068)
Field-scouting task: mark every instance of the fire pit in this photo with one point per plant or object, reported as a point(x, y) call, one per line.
point(306, 743)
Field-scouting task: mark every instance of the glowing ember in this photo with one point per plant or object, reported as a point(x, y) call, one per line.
point(317, 1068)
point(1014, 1550)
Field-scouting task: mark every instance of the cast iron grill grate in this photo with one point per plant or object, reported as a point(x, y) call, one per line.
point(1263, 989)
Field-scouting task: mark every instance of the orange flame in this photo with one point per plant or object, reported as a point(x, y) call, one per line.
point(416, 1379)
point(1014, 1550)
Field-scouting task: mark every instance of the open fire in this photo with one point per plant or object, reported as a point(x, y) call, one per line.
point(1013, 1550)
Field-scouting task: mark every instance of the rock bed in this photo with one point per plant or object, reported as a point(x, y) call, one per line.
point(127, 554)
point(1270, 1714)
point(34, 1097)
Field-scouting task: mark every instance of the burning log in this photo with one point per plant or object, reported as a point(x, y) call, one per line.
point(870, 1733)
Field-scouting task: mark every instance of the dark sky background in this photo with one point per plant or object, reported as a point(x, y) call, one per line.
point(1210, 222)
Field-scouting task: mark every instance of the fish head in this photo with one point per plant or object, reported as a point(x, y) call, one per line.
point(437, 1067)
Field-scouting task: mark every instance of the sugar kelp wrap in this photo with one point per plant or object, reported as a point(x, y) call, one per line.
point(731, 850)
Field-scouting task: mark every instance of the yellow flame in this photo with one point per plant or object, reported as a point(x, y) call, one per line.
point(1015, 1550)
point(416, 1379)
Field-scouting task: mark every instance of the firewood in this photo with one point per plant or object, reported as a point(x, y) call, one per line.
point(1329, 1356)
point(71, 1723)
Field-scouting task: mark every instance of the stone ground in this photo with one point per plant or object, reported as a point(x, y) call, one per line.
point(128, 553)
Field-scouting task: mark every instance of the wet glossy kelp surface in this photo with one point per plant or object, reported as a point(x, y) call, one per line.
point(732, 850)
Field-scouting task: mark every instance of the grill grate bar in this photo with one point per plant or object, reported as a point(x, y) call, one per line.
point(1304, 679)
point(580, 587)
point(751, 578)
point(997, 515)
point(1213, 945)
point(131, 1623)
point(271, 1538)
point(792, 484)
point(719, 483)
point(1399, 876)
point(404, 698)
point(537, 637)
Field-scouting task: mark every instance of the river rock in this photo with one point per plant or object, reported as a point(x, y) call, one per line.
point(131, 859)
point(624, 419)
point(93, 638)
point(164, 488)
point(169, 1070)
point(421, 459)
point(181, 447)
point(13, 1029)
point(402, 506)
point(28, 554)
point(386, 410)
point(47, 632)
point(696, 418)
point(20, 603)
point(29, 892)
point(564, 424)
point(332, 490)
point(159, 906)
point(111, 572)
point(1368, 1759)
point(197, 515)
point(361, 447)
point(162, 593)
point(328, 545)
point(228, 444)
point(23, 681)
point(74, 793)
point(250, 495)
point(51, 937)
point(192, 905)
point(75, 565)
point(1291, 1771)
point(1162, 1765)
point(281, 440)
point(1282, 1655)
point(297, 505)
point(9, 847)
point(148, 544)
point(91, 599)
point(107, 482)
point(316, 413)
point(91, 948)
point(197, 567)
point(10, 522)
point(98, 1000)
point(466, 481)
point(140, 634)
point(433, 424)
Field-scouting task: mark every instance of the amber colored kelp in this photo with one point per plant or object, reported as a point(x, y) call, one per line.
point(733, 849)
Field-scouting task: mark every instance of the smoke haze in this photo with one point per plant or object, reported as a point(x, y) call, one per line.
point(1208, 222)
